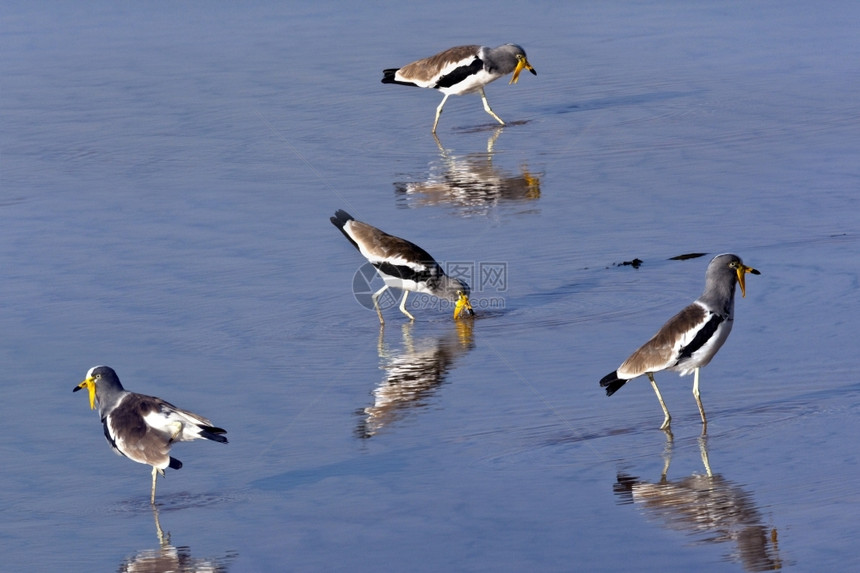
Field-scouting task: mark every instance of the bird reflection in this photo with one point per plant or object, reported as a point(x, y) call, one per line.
point(471, 183)
point(169, 558)
point(707, 506)
point(412, 374)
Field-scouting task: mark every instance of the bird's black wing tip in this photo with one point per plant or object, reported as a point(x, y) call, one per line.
point(214, 434)
point(612, 383)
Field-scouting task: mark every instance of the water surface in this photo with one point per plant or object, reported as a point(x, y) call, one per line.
point(168, 171)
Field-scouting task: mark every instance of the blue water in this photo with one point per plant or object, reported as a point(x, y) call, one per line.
point(167, 171)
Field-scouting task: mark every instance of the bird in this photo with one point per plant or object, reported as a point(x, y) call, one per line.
point(143, 428)
point(462, 70)
point(403, 265)
point(690, 339)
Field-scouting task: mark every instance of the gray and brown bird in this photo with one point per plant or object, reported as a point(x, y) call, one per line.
point(143, 428)
point(691, 338)
point(462, 70)
point(403, 265)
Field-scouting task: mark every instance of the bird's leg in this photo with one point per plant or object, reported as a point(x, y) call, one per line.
point(380, 344)
point(667, 455)
point(667, 419)
point(439, 145)
point(408, 342)
point(177, 429)
point(403, 305)
point(491, 143)
point(163, 540)
point(699, 401)
point(703, 450)
point(439, 111)
point(375, 298)
point(487, 107)
point(154, 476)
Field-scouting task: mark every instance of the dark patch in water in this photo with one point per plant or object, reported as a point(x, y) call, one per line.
point(625, 100)
point(635, 263)
point(488, 126)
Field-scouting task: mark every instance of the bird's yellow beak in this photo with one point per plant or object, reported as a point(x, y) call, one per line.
point(522, 62)
point(463, 302)
point(90, 385)
point(742, 270)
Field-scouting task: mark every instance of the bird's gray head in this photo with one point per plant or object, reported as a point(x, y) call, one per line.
point(726, 269)
point(510, 58)
point(515, 48)
point(100, 381)
point(450, 288)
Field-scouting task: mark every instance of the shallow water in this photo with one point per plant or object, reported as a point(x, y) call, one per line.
point(168, 171)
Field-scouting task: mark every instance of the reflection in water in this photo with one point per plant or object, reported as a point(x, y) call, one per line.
point(412, 374)
point(470, 182)
point(169, 558)
point(709, 506)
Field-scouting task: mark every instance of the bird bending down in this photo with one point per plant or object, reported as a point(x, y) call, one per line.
point(691, 338)
point(462, 70)
point(143, 428)
point(402, 265)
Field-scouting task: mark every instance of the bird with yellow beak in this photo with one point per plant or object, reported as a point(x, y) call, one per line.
point(143, 428)
point(462, 70)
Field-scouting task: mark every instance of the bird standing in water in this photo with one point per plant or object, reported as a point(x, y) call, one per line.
point(143, 428)
point(403, 265)
point(462, 70)
point(692, 337)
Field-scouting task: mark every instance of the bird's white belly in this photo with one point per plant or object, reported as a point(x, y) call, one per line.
point(406, 284)
point(471, 84)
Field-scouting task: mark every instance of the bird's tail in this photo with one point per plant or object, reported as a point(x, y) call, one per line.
point(612, 383)
point(174, 464)
point(340, 219)
point(388, 78)
point(213, 433)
